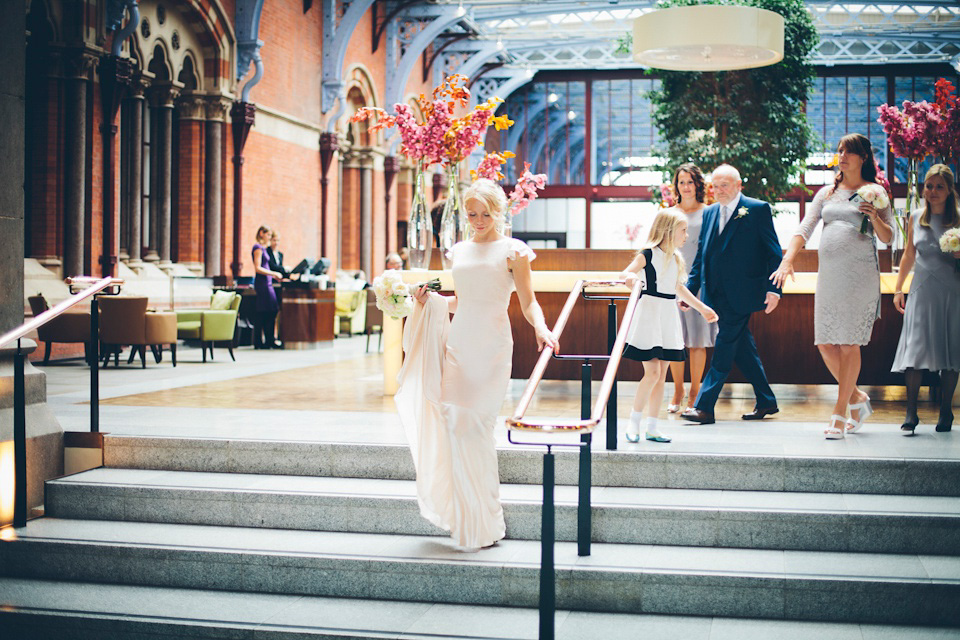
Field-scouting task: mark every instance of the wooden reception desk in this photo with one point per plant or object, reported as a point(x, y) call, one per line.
point(784, 338)
point(306, 317)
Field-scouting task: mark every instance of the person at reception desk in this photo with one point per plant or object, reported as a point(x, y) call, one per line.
point(455, 374)
point(847, 299)
point(275, 256)
point(738, 247)
point(267, 307)
point(655, 337)
point(930, 337)
point(698, 334)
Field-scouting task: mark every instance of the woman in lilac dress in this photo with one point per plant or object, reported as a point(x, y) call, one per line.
point(267, 307)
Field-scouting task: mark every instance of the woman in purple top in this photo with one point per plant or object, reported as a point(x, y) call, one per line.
point(267, 307)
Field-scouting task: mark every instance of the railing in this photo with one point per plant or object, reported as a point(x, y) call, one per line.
point(82, 289)
point(589, 419)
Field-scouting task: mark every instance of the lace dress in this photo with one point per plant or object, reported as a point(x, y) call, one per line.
point(930, 338)
point(847, 300)
point(452, 383)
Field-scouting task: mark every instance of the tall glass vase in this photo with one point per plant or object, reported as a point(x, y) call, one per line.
point(453, 222)
point(419, 226)
point(914, 201)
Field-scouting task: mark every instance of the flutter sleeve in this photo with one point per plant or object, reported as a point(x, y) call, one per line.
point(813, 214)
point(519, 249)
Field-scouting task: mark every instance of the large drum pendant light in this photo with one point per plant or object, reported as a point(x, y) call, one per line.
point(708, 38)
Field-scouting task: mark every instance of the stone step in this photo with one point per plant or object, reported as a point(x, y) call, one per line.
point(518, 465)
point(88, 611)
point(649, 579)
point(694, 517)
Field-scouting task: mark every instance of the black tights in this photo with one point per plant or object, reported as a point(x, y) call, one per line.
point(948, 384)
point(263, 328)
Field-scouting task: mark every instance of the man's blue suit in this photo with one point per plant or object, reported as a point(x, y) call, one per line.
point(733, 267)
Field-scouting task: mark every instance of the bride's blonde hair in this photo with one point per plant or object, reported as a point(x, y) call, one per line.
point(663, 231)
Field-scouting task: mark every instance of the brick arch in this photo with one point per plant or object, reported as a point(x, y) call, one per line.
point(206, 35)
point(189, 65)
point(361, 92)
point(151, 57)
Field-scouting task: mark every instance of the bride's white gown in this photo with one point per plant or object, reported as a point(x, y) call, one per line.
point(452, 384)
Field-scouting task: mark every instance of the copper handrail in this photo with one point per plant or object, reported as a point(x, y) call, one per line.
point(96, 286)
point(517, 422)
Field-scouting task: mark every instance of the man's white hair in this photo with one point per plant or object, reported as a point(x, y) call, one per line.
point(729, 170)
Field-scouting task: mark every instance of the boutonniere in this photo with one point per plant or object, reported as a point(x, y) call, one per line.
point(741, 212)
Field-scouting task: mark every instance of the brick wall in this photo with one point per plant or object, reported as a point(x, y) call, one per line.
point(188, 206)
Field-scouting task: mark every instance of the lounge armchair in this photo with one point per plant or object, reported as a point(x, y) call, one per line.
point(69, 327)
point(216, 324)
point(125, 321)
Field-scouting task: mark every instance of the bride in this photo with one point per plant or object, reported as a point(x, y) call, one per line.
point(455, 374)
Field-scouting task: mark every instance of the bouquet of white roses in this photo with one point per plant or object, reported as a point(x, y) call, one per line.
point(394, 296)
point(950, 243)
point(874, 194)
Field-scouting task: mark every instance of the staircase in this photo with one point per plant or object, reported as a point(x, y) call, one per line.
point(214, 538)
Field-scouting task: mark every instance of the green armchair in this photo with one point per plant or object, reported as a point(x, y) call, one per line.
point(216, 324)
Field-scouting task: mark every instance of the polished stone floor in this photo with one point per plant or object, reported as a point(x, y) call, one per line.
point(336, 395)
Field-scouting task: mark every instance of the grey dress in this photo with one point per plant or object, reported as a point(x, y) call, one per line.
point(847, 300)
point(930, 338)
point(697, 332)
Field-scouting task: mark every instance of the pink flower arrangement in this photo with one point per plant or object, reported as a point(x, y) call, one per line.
point(947, 143)
point(490, 166)
point(911, 132)
point(526, 190)
point(632, 231)
point(441, 138)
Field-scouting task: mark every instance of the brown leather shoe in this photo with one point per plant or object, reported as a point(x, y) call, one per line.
point(695, 415)
point(758, 413)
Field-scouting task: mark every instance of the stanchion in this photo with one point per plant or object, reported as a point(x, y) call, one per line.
point(548, 593)
point(584, 509)
point(19, 440)
point(94, 366)
point(612, 401)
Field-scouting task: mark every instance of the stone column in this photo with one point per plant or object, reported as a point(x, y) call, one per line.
point(12, 96)
point(78, 67)
point(135, 176)
point(190, 176)
point(366, 213)
point(216, 110)
point(163, 98)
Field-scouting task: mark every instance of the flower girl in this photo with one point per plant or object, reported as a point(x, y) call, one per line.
point(655, 336)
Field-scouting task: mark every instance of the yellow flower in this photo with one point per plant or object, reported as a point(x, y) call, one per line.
point(502, 122)
point(834, 161)
point(508, 154)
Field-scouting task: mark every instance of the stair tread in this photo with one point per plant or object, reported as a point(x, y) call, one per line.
point(618, 497)
point(316, 614)
point(520, 554)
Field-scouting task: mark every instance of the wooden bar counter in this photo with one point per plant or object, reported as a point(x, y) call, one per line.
point(784, 338)
point(306, 320)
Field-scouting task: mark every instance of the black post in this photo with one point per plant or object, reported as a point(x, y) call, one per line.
point(584, 524)
point(94, 366)
point(19, 441)
point(612, 402)
point(548, 593)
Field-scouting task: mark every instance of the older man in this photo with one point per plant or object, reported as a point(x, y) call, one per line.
point(737, 253)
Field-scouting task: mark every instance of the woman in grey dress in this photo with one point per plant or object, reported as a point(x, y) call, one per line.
point(930, 338)
point(847, 299)
point(698, 334)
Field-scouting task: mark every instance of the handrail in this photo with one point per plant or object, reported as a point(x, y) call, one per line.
point(517, 422)
point(96, 286)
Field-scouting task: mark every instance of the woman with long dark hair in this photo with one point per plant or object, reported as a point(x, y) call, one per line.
point(267, 308)
point(847, 299)
point(930, 338)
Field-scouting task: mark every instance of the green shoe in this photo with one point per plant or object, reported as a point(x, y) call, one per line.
point(653, 438)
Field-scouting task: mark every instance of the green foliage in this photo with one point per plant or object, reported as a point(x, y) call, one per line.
point(752, 119)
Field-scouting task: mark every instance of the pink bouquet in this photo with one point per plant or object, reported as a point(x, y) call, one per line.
point(632, 231)
point(490, 166)
point(947, 142)
point(526, 190)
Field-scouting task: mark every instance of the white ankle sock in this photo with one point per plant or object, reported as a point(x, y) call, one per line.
point(651, 426)
point(636, 417)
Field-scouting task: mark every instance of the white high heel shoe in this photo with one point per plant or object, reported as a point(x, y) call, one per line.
point(865, 409)
point(833, 432)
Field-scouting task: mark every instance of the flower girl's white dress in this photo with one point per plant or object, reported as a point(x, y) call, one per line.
point(452, 384)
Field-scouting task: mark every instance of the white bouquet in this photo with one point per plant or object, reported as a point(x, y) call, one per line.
point(394, 296)
point(874, 194)
point(950, 243)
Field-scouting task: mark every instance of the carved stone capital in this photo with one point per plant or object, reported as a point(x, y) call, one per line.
point(77, 63)
point(215, 108)
point(191, 107)
point(164, 94)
